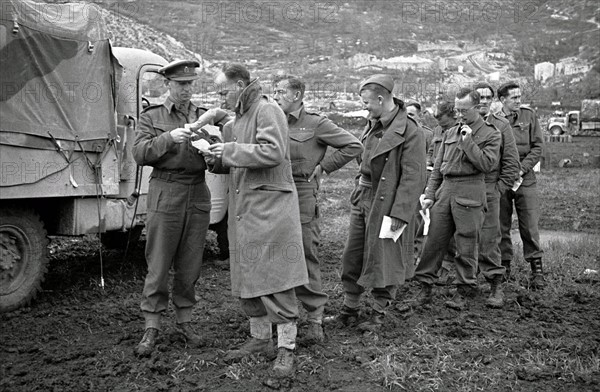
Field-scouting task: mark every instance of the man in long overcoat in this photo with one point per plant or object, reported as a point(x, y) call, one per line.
point(392, 176)
point(265, 235)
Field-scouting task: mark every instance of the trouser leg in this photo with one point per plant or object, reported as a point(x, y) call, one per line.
point(311, 295)
point(164, 225)
point(528, 212)
point(468, 221)
point(352, 257)
point(441, 230)
point(506, 212)
point(489, 249)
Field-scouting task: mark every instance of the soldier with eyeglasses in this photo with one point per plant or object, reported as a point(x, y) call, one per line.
point(456, 194)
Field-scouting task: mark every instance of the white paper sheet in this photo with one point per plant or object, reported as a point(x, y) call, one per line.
point(386, 229)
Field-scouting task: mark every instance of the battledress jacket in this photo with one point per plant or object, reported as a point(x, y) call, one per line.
point(265, 235)
point(398, 169)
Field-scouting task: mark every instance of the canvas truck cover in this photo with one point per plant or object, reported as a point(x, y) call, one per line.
point(57, 84)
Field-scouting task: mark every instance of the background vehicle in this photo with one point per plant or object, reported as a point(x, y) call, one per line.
point(578, 122)
point(69, 104)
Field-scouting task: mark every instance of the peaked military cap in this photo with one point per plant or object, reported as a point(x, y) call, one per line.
point(180, 70)
point(384, 81)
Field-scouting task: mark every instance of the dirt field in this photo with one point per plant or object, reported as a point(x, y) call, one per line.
point(79, 337)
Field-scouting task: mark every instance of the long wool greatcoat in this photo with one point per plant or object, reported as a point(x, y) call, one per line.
point(265, 235)
point(398, 168)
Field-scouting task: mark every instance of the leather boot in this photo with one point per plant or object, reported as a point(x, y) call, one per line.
point(374, 323)
point(146, 345)
point(460, 299)
point(496, 298)
point(538, 281)
point(260, 341)
point(424, 296)
point(314, 333)
point(186, 331)
point(346, 317)
point(506, 265)
point(286, 343)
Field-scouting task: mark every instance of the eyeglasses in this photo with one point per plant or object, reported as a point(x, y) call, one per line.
point(486, 97)
point(462, 112)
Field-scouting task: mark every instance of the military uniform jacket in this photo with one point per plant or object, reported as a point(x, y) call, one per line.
point(507, 171)
point(476, 154)
point(155, 147)
point(529, 139)
point(397, 166)
point(434, 146)
point(310, 135)
point(265, 235)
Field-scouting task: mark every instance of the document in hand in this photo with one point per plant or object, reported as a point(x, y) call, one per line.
point(426, 220)
point(517, 184)
point(386, 229)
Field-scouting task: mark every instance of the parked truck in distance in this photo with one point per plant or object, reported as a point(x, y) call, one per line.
point(69, 106)
point(578, 122)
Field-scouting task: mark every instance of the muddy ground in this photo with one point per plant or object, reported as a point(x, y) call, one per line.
point(79, 337)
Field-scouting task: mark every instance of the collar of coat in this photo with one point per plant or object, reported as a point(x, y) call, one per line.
point(394, 131)
point(249, 95)
point(181, 107)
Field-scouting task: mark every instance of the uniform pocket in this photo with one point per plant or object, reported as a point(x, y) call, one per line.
point(469, 203)
point(301, 136)
point(201, 208)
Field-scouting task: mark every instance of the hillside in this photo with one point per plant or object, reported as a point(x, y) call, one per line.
point(319, 40)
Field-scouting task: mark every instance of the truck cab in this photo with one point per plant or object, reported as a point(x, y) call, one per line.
point(68, 125)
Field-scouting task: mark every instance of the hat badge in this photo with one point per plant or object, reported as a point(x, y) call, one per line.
point(186, 69)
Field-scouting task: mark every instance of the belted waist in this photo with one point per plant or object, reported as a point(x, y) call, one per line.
point(365, 183)
point(492, 176)
point(471, 177)
point(187, 179)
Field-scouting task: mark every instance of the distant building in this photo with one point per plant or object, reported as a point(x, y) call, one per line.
point(544, 71)
point(406, 62)
point(571, 66)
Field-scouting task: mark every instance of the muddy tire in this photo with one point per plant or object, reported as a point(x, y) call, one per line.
point(23, 256)
point(556, 131)
point(118, 239)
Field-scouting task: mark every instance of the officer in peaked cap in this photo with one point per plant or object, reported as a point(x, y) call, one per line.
point(180, 70)
point(178, 202)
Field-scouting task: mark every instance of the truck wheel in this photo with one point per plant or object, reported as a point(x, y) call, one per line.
point(118, 239)
point(23, 257)
point(556, 131)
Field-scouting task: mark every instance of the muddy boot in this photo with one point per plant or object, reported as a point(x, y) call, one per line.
point(506, 265)
point(314, 333)
point(538, 282)
point(459, 300)
point(347, 316)
point(286, 343)
point(146, 345)
point(444, 277)
point(260, 341)
point(496, 298)
point(186, 331)
point(424, 296)
point(374, 323)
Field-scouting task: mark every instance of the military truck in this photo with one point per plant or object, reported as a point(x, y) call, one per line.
point(69, 106)
point(578, 122)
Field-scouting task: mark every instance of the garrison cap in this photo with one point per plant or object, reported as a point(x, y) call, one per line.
point(180, 70)
point(383, 80)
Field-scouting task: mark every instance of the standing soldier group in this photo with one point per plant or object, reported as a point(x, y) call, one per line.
point(275, 155)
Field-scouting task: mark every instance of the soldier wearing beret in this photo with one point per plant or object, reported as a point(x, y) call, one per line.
point(178, 202)
point(530, 144)
point(310, 136)
point(391, 178)
point(456, 194)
